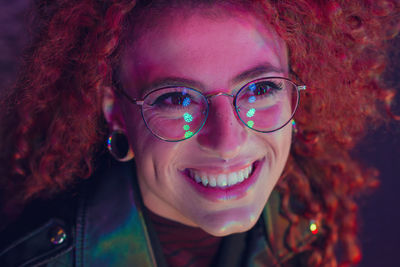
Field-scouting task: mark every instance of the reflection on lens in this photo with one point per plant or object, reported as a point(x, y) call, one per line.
point(186, 102)
point(251, 112)
point(188, 117)
point(252, 87)
point(188, 134)
point(252, 99)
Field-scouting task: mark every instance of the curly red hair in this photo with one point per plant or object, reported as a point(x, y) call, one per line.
point(53, 129)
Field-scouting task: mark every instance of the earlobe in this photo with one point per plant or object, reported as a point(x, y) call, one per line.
point(117, 141)
point(111, 112)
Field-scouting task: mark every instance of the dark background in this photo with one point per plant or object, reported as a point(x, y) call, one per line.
point(380, 210)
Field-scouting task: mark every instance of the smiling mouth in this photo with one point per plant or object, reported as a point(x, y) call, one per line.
point(223, 180)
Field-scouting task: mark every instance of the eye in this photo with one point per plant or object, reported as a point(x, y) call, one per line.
point(265, 88)
point(173, 99)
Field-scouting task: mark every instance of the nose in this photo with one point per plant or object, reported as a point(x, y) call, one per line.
point(223, 134)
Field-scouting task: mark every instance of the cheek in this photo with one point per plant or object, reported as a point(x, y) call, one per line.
point(278, 143)
point(277, 149)
point(151, 153)
point(135, 127)
point(284, 139)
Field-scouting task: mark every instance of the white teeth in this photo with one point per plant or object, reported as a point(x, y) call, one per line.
point(241, 174)
point(221, 180)
point(197, 178)
point(212, 181)
point(246, 173)
point(232, 178)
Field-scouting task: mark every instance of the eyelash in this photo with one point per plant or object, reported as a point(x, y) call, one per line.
point(274, 87)
point(181, 101)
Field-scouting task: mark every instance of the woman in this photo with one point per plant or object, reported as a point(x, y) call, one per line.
point(197, 98)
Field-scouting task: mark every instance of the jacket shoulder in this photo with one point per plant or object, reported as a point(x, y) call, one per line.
point(42, 233)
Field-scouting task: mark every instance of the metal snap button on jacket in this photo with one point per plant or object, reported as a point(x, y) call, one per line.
point(57, 235)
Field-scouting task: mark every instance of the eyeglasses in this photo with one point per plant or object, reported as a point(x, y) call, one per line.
point(177, 113)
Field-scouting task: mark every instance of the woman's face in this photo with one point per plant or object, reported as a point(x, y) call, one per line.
point(211, 55)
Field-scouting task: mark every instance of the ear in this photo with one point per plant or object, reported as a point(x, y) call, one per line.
point(112, 111)
point(117, 143)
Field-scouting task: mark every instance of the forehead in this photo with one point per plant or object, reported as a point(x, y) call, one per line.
point(202, 47)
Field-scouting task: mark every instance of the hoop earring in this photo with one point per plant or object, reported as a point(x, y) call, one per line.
point(118, 146)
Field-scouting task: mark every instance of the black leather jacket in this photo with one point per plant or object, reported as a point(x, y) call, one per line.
point(103, 223)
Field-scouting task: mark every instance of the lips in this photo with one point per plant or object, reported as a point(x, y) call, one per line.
point(226, 185)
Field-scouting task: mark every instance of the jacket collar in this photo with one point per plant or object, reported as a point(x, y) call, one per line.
point(110, 221)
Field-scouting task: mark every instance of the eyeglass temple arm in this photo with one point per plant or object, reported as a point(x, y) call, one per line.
point(299, 87)
point(132, 100)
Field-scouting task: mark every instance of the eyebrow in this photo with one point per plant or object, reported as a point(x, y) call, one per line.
point(172, 81)
point(246, 75)
point(255, 71)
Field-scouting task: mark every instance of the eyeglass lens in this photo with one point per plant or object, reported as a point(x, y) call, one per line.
point(177, 113)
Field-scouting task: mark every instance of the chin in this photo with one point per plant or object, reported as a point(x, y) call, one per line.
point(226, 224)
